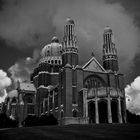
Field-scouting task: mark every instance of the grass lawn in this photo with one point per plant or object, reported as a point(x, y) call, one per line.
point(74, 132)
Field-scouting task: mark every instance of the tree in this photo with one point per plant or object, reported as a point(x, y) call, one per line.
point(132, 118)
point(6, 122)
point(42, 120)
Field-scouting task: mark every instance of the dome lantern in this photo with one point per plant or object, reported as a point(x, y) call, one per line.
point(55, 40)
point(69, 21)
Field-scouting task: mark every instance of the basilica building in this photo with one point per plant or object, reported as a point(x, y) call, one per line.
point(74, 94)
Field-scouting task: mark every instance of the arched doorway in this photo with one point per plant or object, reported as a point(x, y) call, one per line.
point(114, 111)
point(75, 113)
point(91, 111)
point(103, 115)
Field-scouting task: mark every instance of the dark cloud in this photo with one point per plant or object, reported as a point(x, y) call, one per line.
point(9, 55)
point(27, 23)
point(131, 7)
point(31, 24)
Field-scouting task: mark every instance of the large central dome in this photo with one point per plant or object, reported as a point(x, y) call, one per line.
point(52, 51)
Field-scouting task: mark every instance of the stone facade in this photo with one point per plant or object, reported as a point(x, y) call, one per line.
point(76, 95)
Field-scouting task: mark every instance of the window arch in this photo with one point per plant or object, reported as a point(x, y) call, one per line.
point(94, 81)
point(75, 113)
point(14, 100)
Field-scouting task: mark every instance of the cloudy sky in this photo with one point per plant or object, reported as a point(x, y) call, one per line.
point(27, 25)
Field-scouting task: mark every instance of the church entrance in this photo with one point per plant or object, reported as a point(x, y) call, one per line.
point(103, 115)
point(114, 111)
point(91, 111)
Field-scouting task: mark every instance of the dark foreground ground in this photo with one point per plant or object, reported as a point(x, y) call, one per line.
point(74, 132)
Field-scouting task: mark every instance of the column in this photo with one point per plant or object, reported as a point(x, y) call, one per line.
point(53, 103)
point(8, 109)
point(48, 102)
point(125, 114)
point(35, 105)
point(96, 104)
point(96, 111)
point(119, 111)
point(85, 105)
point(109, 110)
point(21, 114)
point(44, 106)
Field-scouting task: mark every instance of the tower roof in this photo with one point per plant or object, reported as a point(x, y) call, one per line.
point(68, 65)
point(107, 29)
point(69, 21)
point(55, 39)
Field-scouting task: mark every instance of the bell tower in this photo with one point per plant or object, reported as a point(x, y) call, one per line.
point(110, 59)
point(69, 46)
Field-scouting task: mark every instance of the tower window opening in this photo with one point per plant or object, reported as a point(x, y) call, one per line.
point(52, 61)
point(48, 52)
point(59, 62)
point(55, 61)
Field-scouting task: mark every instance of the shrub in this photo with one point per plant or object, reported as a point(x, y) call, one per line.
point(31, 121)
point(6, 122)
point(48, 120)
point(132, 118)
point(43, 120)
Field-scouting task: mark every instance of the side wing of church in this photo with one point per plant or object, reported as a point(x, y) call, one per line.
point(74, 94)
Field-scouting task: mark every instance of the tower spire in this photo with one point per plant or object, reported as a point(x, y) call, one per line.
point(110, 59)
point(70, 48)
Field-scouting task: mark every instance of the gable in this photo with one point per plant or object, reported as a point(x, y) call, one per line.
point(93, 65)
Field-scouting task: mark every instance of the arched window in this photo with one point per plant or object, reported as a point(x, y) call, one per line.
point(48, 53)
point(114, 110)
point(14, 100)
point(94, 81)
point(29, 100)
point(75, 114)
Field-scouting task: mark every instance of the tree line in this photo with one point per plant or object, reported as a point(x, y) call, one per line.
point(33, 120)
